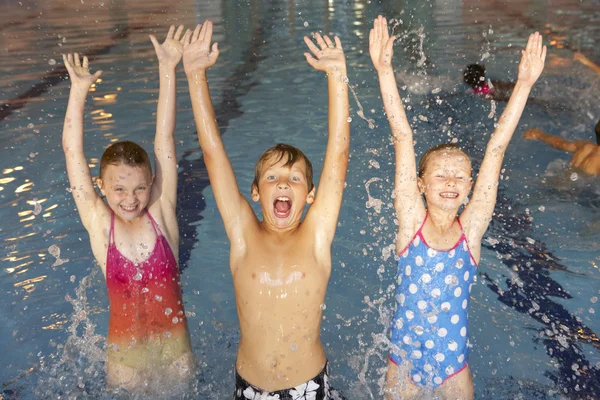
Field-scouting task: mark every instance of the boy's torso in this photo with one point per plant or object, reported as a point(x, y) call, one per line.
point(280, 283)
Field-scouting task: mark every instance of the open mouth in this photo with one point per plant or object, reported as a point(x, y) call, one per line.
point(282, 207)
point(129, 209)
point(449, 195)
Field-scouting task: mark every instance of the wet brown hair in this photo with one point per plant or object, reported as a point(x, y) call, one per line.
point(280, 151)
point(440, 147)
point(127, 153)
point(598, 133)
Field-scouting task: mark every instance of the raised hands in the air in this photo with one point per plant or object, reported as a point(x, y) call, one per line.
point(79, 71)
point(197, 51)
point(532, 60)
point(381, 45)
point(169, 53)
point(328, 57)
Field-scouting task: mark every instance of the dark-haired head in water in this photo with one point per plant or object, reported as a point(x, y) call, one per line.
point(474, 76)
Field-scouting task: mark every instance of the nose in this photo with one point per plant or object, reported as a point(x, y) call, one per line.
point(282, 185)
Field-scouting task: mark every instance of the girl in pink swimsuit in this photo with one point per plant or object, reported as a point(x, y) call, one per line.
point(134, 235)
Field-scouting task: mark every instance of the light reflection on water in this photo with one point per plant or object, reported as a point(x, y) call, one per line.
point(440, 37)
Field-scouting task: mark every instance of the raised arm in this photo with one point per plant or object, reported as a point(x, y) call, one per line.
point(329, 58)
point(555, 141)
point(409, 207)
point(80, 179)
point(169, 53)
point(478, 213)
point(198, 57)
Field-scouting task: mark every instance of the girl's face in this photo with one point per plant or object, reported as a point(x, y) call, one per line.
point(446, 182)
point(127, 190)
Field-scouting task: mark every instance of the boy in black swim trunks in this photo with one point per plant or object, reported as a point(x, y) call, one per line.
point(280, 265)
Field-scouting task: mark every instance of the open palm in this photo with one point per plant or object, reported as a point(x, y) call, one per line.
point(169, 53)
point(79, 71)
point(197, 51)
point(532, 60)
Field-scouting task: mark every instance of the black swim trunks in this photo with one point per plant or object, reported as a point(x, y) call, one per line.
point(315, 389)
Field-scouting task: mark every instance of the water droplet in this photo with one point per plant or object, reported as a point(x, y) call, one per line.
point(168, 311)
point(137, 276)
point(542, 208)
point(52, 61)
point(574, 176)
point(349, 119)
point(175, 320)
point(158, 298)
point(306, 24)
point(323, 306)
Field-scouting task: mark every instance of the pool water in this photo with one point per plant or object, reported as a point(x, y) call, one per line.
point(533, 319)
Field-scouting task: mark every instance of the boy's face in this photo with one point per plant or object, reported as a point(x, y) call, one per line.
point(127, 190)
point(283, 192)
point(447, 180)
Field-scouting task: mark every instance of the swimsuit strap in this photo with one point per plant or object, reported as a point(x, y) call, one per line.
point(111, 235)
point(420, 230)
point(154, 224)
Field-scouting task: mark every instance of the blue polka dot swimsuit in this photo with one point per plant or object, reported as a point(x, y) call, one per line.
point(430, 327)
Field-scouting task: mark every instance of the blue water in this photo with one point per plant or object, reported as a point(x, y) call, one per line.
point(533, 317)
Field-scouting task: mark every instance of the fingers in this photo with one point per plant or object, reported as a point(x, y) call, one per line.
point(77, 61)
point(97, 75)
point(171, 31)
point(338, 42)
point(186, 38)
point(544, 54)
point(215, 48)
point(196, 33)
point(328, 41)
point(311, 46)
point(154, 42)
point(177, 35)
point(311, 60)
point(85, 62)
point(320, 41)
point(206, 31)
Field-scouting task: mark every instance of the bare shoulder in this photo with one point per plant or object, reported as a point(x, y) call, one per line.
point(166, 218)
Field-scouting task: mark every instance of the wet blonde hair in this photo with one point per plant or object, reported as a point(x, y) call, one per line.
point(436, 149)
point(280, 151)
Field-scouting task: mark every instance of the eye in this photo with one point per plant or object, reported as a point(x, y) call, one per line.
point(295, 178)
point(140, 189)
point(271, 177)
point(119, 190)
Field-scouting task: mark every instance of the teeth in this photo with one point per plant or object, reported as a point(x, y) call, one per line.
point(128, 208)
point(283, 198)
point(452, 195)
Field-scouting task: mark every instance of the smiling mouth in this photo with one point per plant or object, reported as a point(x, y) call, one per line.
point(129, 209)
point(449, 195)
point(282, 207)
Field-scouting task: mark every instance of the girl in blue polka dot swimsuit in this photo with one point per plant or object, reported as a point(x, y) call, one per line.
point(439, 250)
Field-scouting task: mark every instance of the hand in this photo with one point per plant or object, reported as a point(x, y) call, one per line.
point(381, 45)
point(532, 60)
point(197, 53)
point(169, 53)
point(330, 58)
point(79, 72)
point(532, 134)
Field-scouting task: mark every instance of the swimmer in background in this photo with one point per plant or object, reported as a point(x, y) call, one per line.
point(586, 154)
point(281, 265)
point(134, 234)
point(438, 251)
point(474, 76)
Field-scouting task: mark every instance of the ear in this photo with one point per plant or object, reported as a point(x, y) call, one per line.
point(100, 186)
point(254, 193)
point(152, 181)
point(421, 185)
point(310, 198)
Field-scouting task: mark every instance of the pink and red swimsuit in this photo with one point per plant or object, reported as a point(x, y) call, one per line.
point(147, 319)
